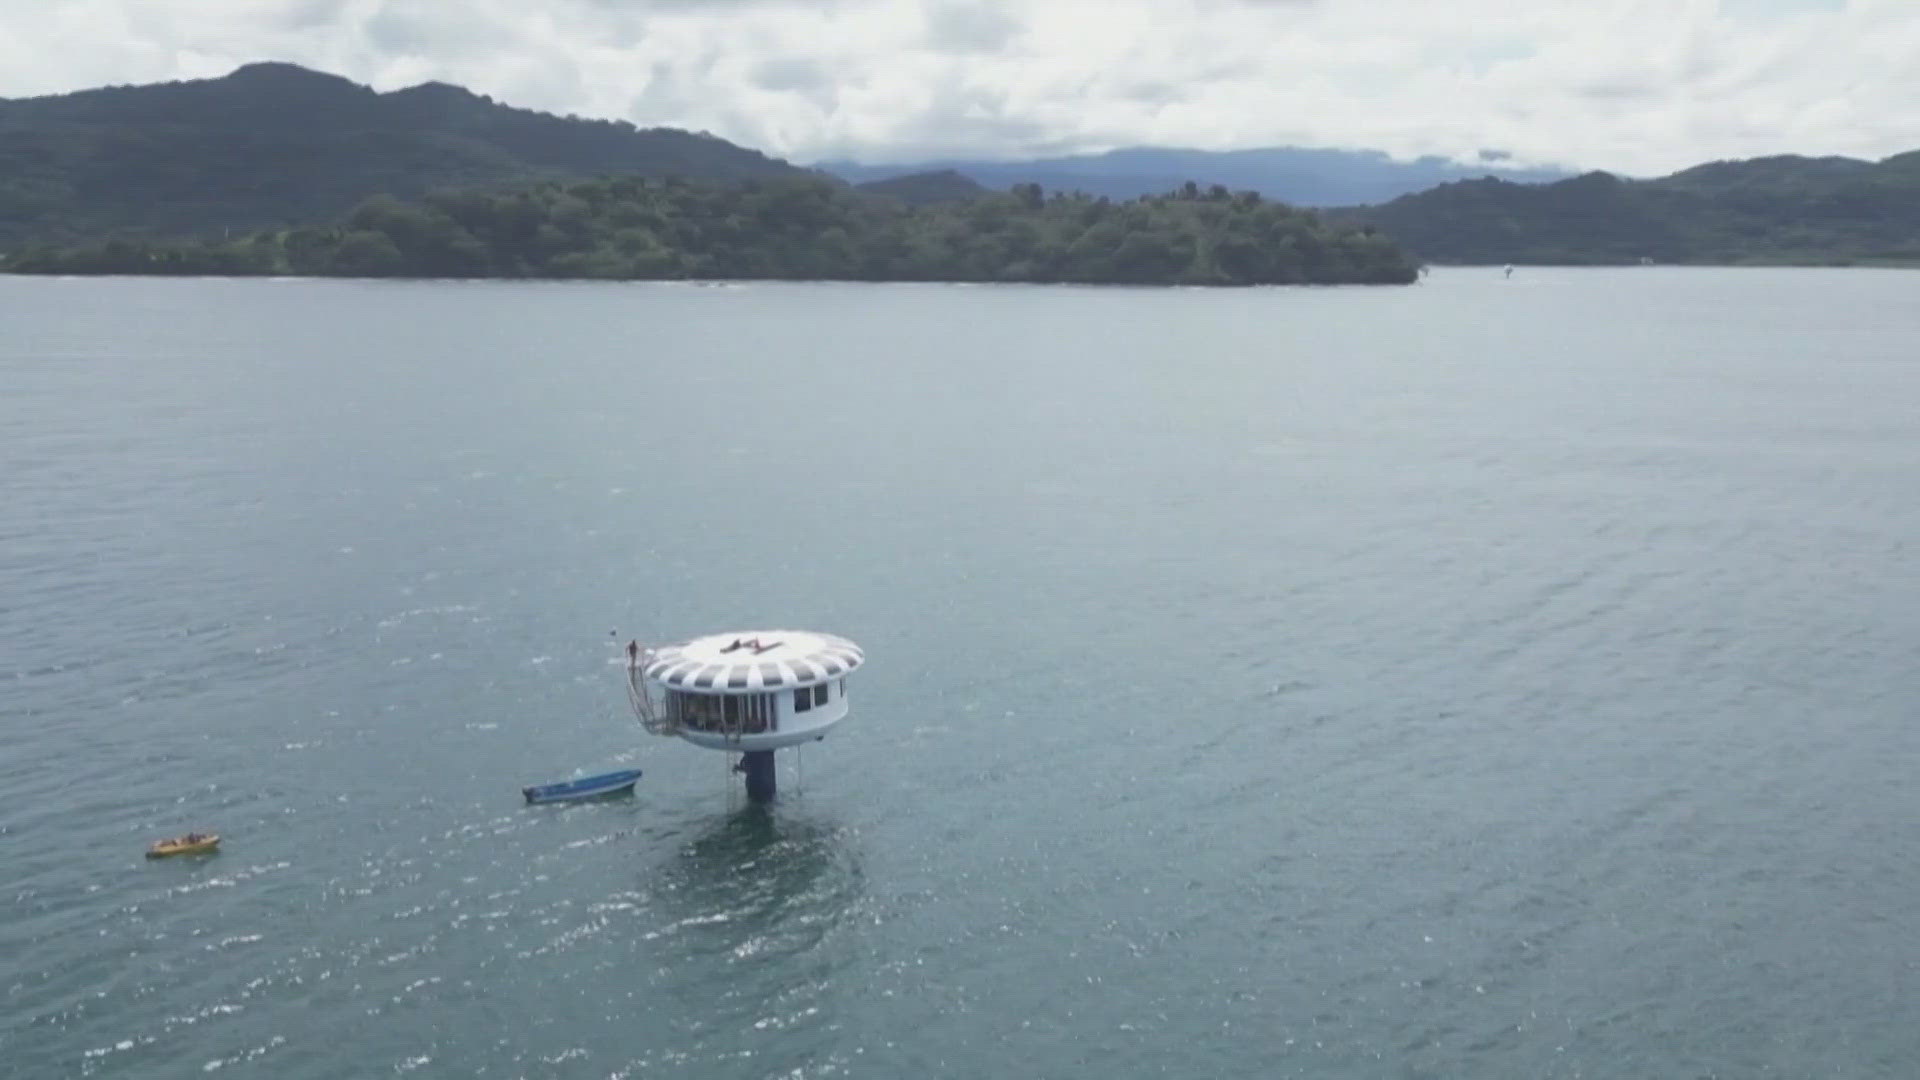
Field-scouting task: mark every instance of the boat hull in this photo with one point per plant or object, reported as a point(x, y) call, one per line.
point(169, 848)
point(592, 787)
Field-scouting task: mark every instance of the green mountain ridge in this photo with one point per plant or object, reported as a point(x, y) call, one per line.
point(275, 145)
point(920, 189)
point(1783, 209)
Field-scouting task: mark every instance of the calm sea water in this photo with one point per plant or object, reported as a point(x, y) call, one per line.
point(1492, 678)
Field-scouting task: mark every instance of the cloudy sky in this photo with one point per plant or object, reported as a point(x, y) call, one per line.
point(1636, 86)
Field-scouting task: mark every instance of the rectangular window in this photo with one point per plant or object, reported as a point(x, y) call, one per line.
point(820, 694)
point(802, 699)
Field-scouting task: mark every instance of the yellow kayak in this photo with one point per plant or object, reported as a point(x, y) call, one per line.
point(190, 844)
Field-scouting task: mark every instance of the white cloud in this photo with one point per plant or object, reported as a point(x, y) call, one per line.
point(1640, 86)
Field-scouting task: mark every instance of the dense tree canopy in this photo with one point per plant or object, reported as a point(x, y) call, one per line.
point(785, 228)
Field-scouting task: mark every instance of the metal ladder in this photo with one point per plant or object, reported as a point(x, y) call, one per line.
point(645, 709)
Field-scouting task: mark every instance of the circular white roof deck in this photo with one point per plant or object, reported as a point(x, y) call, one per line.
point(753, 661)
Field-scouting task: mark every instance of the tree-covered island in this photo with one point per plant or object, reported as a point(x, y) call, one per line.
point(789, 228)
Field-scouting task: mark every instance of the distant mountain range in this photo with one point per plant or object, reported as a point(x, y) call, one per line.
point(1303, 177)
point(1765, 210)
point(275, 144)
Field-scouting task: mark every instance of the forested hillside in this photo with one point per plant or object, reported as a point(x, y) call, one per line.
point(1766, 210)
point(788, 228)
point(275, 145)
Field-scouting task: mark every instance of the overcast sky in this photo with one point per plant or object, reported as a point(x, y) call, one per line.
point(1636, 86)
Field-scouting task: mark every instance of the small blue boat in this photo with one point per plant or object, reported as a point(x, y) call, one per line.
point(587, 787)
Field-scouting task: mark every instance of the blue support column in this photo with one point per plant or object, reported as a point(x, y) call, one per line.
point(758, 765)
